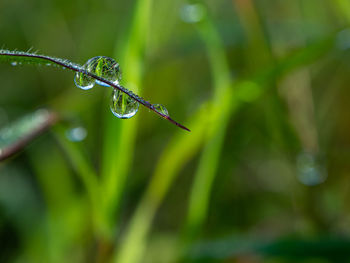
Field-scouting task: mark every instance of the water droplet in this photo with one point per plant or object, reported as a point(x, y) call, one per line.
point(122, 105)
point(192, 13)
point(14, 63)
point(160, 108)
point(104, 67)
point(311, 171)
point(83, 81)
point(101, 66)
point(76, 134)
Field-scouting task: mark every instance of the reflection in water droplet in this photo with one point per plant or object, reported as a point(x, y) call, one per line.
point(192, 13)
point(160, 108)
point(76, 134)
point(14, 63)
point(122, 105)
point(83, 81)
point(104, 67)
point(101, 66)
point(310, 170)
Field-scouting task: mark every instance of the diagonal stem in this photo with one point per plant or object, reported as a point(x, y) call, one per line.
point(77, 68)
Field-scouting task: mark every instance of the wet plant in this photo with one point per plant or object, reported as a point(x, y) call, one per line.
point(101, 70)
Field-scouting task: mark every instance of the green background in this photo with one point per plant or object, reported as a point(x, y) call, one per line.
point(263, 175)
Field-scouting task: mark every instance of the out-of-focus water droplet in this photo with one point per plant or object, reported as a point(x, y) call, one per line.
point(83, 81)
point(104, 67)
point(101, 66)
point(192, 13)
point(343, 39)
point(310, 170)
point(160, 108)
point(14, 63)
point(122, 105)
point(76, 134)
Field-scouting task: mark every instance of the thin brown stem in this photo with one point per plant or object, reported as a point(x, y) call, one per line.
point(77, 68)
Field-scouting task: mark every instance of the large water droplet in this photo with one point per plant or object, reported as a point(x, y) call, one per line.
point(104, 67)
point(160, 108)
point(122, 105)
point(101, 66)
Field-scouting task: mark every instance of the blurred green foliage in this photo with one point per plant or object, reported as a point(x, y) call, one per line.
point(262, 177)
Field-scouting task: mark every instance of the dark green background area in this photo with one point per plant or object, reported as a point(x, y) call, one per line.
point(262, 177)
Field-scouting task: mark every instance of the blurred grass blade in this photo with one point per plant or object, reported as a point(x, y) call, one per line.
point(14, 137)
point(223, 106)
point(183, 147)
point(343, 7)
point(257, 51)
point(119, 138)
point(86, 173)
point(66, 209)
point(179, 151)
point(168, 166)
point(220, 111)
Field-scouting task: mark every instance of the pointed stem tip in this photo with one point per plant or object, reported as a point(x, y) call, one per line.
point(176, 123)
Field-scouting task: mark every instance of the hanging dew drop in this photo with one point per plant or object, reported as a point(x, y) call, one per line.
point(104, 67)
point(160, 108)
point(83, 81)
point(122, 105)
